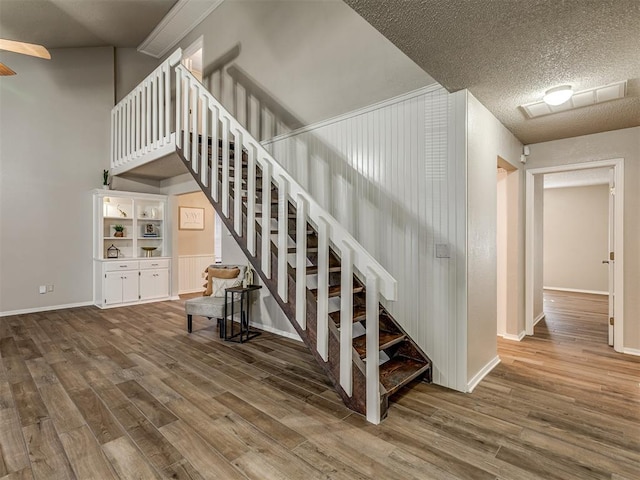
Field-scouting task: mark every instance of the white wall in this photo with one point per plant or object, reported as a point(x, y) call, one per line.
point(54, 144)
point(308, 61)
point(383, 173)
point(131, 67)
point(576, 231)
point(487, 139)
point(625, 144)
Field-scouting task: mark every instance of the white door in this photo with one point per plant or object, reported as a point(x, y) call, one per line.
point(147, 284)
point(130, 286)
point(611, 253)
point(113, 288)
point(154, 284)
point(162, 283)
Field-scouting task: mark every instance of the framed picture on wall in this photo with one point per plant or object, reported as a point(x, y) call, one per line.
point(190, 218)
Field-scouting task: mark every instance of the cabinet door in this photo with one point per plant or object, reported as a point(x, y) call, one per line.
point(129, 286)
point(147, 284)
point(154, 283)
point(162, 282)
point(113, 287)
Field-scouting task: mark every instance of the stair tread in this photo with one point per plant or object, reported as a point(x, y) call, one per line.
point(386, 339)
point(335, 290)
point(401, 370)
point(359, 314)
point(313, 269)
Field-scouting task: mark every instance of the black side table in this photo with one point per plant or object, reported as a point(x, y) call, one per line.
point(245, 334)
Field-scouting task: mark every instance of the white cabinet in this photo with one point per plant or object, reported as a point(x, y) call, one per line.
point(132, 227)
point(154, 279)
point(129, 225)
point(120, 287)
point(129, 282)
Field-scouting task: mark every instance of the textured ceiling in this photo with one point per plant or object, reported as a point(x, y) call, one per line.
point(508, 52)
point(81, 23)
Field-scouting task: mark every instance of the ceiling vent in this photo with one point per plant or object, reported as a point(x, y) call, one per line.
point(580, 99)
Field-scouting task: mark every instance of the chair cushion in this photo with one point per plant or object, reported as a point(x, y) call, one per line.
point(220, 277)
point(210, 307)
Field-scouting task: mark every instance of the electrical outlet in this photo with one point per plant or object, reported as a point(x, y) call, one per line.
point(49, 288)
point(42, 289)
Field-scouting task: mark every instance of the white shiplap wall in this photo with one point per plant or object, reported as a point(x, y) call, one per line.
point(384, 173)
point(190, 268)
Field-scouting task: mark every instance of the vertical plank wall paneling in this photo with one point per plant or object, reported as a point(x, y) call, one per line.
point(383, 172)
point(190, 268)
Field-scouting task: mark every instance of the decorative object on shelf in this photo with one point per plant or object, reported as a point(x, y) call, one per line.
point(191, 218)
point(105, 180)
point(122, 212)
point(119, 230)
point(248, 276)
point(148, 251)
point(150, 231)
point(113, 251)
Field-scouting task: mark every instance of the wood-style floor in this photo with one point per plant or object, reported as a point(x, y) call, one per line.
point(127, 393)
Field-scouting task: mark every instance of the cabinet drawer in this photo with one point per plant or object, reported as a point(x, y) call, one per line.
point(115, 266)
point(149, 264)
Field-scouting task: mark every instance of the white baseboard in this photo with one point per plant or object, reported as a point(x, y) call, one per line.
point(188, 291)
point(44, 309)
point(516, 338)
point(631, 351)
point(473, 383)
point(176, 297)
point(577, 290)
point(537, 319)
point(282, 333)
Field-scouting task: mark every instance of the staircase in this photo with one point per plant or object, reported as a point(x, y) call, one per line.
point(327, 285)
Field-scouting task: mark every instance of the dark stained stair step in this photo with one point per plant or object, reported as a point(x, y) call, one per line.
point(386, 340)
point(359, 314)
point(400, 370)
point(335, 290)
point(313, 269)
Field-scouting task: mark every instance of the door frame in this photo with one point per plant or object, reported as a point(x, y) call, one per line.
point(618, 167)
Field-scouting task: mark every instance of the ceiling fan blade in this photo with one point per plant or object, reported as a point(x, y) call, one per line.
point(5, 71)
point(25, 48)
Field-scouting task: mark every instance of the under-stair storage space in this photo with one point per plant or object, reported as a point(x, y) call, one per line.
point(130, 248)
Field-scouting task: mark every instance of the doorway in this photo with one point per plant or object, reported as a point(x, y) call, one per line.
point(534, 244)
point(196, 248)
point(192, 58)
point(508, 181)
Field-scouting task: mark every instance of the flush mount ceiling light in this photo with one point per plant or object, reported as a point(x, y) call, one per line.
point(582, 98)
point(558, 95)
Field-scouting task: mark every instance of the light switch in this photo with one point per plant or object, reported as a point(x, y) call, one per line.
point(442, 250)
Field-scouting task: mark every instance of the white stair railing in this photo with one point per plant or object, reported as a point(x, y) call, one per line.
point(141, 123)
point(330, 232)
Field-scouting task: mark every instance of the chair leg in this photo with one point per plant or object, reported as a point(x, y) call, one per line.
point(222, 326)
point(189, 323)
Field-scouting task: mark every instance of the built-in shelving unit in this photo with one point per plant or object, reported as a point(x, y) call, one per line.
point(132, 266)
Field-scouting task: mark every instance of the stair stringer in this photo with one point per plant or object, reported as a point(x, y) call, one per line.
point(355, 402)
